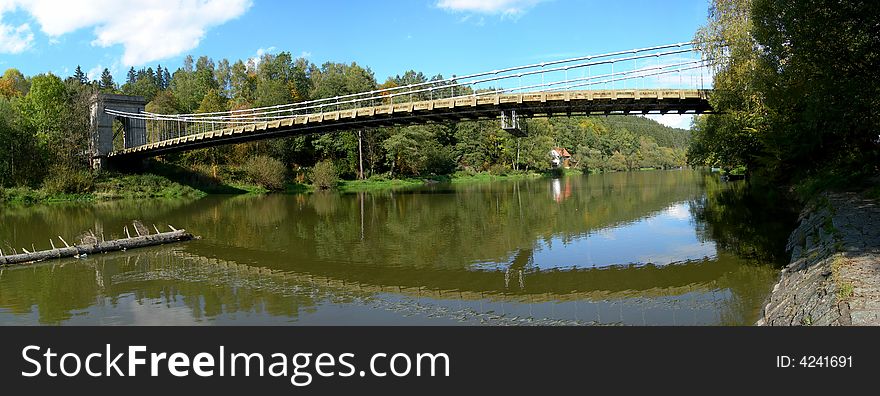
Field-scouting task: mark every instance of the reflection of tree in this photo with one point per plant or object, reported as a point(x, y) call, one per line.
point(744, 220)
point(432, 228)
point(754, 225)
point(424, 241)
point(208, 287)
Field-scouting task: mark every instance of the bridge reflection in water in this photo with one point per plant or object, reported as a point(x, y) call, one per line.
point(502, 253)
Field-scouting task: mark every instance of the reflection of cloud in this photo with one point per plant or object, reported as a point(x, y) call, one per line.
point(607, 233)
point(158, 314)
point(690, 252)
point(679, 212)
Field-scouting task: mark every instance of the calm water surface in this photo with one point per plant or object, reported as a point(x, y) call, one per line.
point(644, 248)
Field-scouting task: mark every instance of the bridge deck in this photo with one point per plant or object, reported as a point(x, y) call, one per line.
point(592, 102)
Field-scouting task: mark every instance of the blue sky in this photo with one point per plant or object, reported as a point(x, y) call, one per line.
point(390, 37)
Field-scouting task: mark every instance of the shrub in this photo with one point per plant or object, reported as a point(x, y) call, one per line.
point(439, 160)
point(266, 172)
point(498, 170)
point(378, 177)
point(67, 180)
point(324, 175)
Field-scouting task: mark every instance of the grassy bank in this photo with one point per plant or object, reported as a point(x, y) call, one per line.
point(832, 180)
point(173, 181)
point(106, 187)
point(382, 183)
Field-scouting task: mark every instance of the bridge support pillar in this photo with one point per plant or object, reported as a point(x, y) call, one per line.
point(134, 132)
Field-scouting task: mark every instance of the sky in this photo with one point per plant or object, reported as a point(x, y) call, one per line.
point(388, 36)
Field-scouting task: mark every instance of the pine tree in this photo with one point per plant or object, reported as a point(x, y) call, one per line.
point(160, 77)
point(151, 76)
point(78, 75)
point(166, 79)
point(132, 76)
point(106, 84)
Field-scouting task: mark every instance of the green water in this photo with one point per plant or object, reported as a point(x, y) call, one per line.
point(654, 248)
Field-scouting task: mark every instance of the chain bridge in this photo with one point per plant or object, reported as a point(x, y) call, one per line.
point(662, 79)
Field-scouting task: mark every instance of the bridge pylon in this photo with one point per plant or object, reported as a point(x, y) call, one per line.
point(134, 131)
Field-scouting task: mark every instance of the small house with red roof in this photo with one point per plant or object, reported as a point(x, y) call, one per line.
point(559, 156)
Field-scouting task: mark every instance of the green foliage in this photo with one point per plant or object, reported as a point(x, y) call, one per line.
point(106, 83)
point(144, 82)
point(20, 161)
point(117, 186)
point(797, 85)
point(266, 172)
point(821, 83)
point(405, 149)
point(45, 105)
point(323, 176)
point(48, 121)
point(13, 84)
point(335, 79)
point(439, 160)
point(66, 180)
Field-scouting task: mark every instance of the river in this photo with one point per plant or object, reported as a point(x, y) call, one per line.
point(673, 247)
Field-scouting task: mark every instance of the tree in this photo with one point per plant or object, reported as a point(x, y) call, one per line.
point(20, 157)
point(13, 84)
point(44, 106)
point(163, 103)
point(405, 149)
point(79, 76)
point(143, 83)
point(160, 77)
point(212, 102)
point(190, 85)
point(335, 79)
point(242, 84)
point(819, 82)
point(732, 138)
point(166, 78)
point(223, 75)
point(106, 84)
point(131, 76)
point(59, 119)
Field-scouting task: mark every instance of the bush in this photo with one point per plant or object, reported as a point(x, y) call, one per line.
point(324, 175)
point(439, 160)
point(266, 172)
point(67, 180)
point(498, 170)
point(378, 177)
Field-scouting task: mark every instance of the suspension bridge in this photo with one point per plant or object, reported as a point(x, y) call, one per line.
point(662, 79)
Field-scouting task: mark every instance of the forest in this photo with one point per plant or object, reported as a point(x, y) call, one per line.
point(797, 92)
point(44, 130)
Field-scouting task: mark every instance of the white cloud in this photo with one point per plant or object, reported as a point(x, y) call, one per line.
point(95, 72)
point(305, 54)
point(148, 30)
point(511, 8)
point(256, 59)
point(13, 39)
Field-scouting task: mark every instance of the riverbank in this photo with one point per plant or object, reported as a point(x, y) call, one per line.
point(834, 274)
point(177, 183)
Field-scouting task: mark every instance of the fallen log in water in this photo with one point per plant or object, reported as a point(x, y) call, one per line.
point(93, 246)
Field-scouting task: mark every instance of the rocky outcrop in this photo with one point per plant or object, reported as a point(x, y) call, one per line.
point(834, 274)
